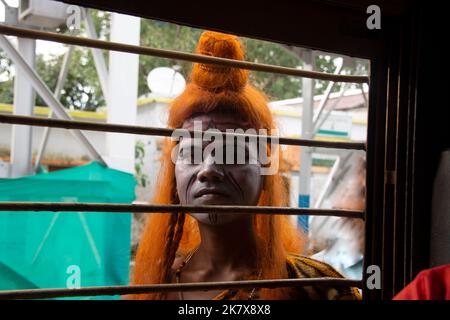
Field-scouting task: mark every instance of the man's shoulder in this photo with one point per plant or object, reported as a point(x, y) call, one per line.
point(311, 268)
point(300, 266)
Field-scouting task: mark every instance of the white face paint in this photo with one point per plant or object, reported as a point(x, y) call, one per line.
point(207, 182)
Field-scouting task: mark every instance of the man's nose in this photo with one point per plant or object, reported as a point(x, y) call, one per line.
point(210, 171)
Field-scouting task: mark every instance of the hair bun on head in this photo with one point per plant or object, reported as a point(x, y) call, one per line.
point(215, 77)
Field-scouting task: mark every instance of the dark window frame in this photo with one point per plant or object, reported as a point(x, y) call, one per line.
point(397, 219)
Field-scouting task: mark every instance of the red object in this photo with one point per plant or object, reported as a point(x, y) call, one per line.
point(430, 284)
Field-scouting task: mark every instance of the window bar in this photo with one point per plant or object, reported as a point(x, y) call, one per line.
point(150, 208)
point(92, 126)
point(171, 54)
point(153, 288)
point(96, 207)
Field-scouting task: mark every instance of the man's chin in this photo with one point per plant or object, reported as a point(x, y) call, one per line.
point(214, 218)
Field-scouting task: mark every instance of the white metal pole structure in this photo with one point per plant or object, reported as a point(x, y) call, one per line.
point(59, 86)
point(97, 54)
point(327, 93)
point(24, 98)
point(45, 93)
point(122, 92)
point(102, 73)
point(307, 132)
point(320, 121)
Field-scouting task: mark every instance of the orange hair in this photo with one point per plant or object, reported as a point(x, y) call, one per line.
point(215, 89)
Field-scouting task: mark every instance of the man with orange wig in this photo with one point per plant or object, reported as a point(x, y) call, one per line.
point(205, 247)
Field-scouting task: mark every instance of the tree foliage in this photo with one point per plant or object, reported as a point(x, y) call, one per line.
point(82, 89)
point(6, 78)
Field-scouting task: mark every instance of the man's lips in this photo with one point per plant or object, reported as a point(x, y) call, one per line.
point(210, 191)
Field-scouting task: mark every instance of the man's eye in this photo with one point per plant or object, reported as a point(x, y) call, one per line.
point(181, 153)
point(191, 155)
point(184, 153)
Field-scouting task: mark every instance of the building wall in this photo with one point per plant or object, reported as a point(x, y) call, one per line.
point(61, 144)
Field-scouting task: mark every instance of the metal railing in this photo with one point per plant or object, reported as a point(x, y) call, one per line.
point(171, 287)
point(177, 55)
point(96, 207)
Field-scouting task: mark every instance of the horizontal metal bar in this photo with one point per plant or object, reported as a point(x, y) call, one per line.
point(199, 286)
point(150, 208)
point(93, 126)
point(171, 54)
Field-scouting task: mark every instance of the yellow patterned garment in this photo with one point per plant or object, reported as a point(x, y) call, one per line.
point(302, 267)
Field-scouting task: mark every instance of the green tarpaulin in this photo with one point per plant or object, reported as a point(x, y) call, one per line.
point(66, 249)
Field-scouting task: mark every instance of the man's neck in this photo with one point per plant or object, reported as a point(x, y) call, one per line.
point(227, 246)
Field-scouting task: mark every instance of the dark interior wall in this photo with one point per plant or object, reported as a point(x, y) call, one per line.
point(409, 130)
point(432, 134)
point(440, 214)
point(339, 26)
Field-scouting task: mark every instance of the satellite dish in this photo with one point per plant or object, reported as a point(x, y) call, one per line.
point(165, 82)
